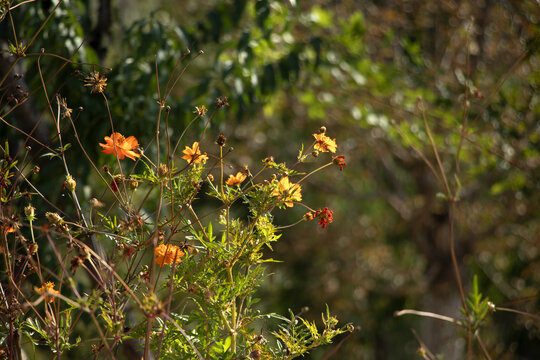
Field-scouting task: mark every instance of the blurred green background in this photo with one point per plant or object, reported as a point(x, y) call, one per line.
point(358, 68)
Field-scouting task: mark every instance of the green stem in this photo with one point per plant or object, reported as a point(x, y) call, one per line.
point(233, 311)
point(314, 171)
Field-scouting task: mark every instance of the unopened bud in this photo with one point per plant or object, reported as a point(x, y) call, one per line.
point(70, 183)
point(54, 218)
point(32, 248)
point(322, 130)
point(133, 184)
point(29, 211)
point(308, 216)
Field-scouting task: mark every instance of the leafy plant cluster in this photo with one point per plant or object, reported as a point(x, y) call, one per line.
point(122, 259)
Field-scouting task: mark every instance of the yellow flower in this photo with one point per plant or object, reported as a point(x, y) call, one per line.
point(124, 146)
point(288, 192)
point(324, 143)
point(47, 288)
point(167, 254)
point(236, 179)
point(193, 155)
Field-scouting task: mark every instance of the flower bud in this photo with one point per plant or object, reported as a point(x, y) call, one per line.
point(322, 130)
point(29, 211)
point(70, 183)
point(32, 248)
point(308, 216)
point(54, 218)
point(133, 184)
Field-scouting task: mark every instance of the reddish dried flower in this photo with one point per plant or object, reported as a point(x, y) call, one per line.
point(325, 216)
point(340, 161)
point(115, 183)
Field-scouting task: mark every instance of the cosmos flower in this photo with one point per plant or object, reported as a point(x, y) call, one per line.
point(236, 179)
point(167, 254)
point(288, 192)
point(47, 289)
point(324, 143)
point(193, 155)
point(124, 146)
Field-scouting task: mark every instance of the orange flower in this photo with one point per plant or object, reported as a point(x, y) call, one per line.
point(236, 179)
point(8, 229)
point(193, 155)
point(47, 288)
point(288, 191)
point(324, 143)
point(124, 147)
point(167, 254)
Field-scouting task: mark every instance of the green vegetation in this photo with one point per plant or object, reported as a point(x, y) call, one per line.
point(152, 245)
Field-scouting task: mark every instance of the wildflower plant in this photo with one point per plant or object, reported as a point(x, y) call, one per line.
point(135, 255)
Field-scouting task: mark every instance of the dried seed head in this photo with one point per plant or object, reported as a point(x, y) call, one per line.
point(163, 170)
point(96, 204)
point(255, 354)
point(221, 140)
point(222, 101)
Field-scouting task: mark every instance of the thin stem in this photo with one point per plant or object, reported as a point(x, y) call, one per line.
point(313, 172)
point(233, 310)
point(434, 146)
point(482, 346)
point(430, 315)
